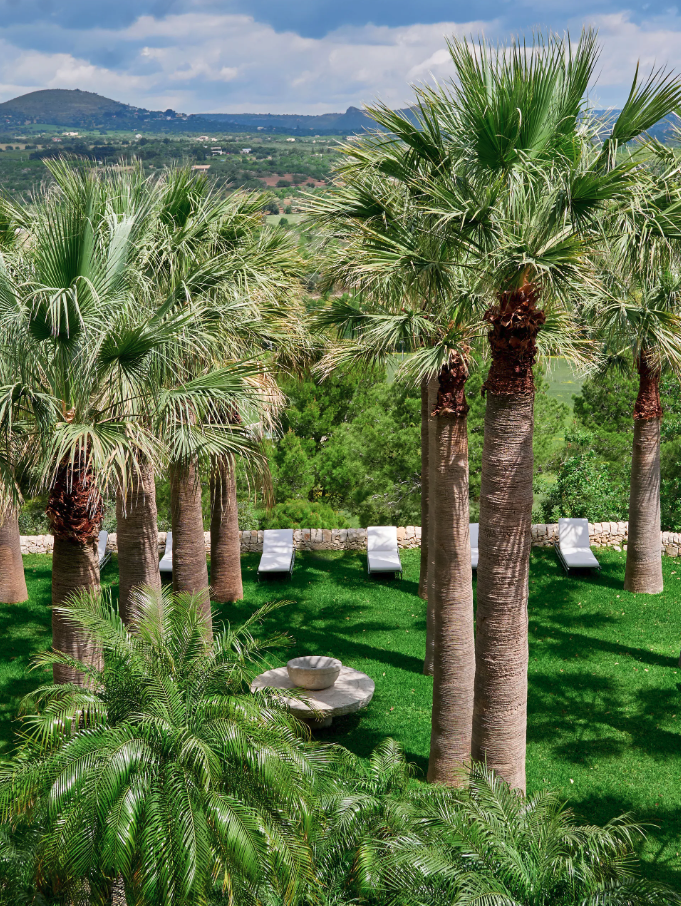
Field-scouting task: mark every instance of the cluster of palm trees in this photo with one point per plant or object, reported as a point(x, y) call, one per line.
point(140, 325)
point(143, 321)
point(164, 781)
point(499, 221)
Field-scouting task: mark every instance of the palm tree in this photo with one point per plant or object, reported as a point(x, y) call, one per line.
point(641, 315)
point(388, 840)
point(84, 351)
point(14, 451)
point(384, 247)
point(415, 297)
point(511, 166)
point(12, 580)
point(214, 248)
point(488, 844)
point(180, 781)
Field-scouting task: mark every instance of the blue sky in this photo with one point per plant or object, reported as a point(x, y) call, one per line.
point(296, 56)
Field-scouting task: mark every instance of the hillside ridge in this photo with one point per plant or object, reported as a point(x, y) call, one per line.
point(88, 110)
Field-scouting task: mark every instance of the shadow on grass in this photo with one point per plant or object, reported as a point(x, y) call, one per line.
point(320, 631)
point(661, 849)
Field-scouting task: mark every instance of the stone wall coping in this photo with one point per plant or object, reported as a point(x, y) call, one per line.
point(601, 534)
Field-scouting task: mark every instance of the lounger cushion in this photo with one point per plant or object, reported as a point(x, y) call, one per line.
point(382, 538)
point(272, 562)
point(166, 564)
point(575, 547)
point(384, 562)
point(579, 559)
point(277, 551)
point(101, 547)
point(474, 532)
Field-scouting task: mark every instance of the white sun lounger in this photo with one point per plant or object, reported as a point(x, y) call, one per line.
point(103, 553)
point(166, 564)
point(278, 552)
point(382, 552)
point(573, 546)
point(474, 530)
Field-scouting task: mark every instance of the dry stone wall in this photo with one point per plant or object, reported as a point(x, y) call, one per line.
point(601, 534)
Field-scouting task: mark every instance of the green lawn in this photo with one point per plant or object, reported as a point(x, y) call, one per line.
point(604, 701)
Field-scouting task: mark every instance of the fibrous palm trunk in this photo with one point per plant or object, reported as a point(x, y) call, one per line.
point(225, 547)
point(643, 571)
point(432, 526)
point(423, 572)
point(501, 642)
point(75, 511)
point(137, 537)
point(190, 568)
point(454, 643)
point(12, 580)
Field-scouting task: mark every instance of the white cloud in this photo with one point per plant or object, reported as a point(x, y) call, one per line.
point(200, 61)
point(654, 43)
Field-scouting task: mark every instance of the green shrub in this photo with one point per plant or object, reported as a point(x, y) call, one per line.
point(584, 487)
point(303, 514)
point(32, 517)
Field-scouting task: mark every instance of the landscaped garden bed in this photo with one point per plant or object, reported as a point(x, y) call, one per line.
point(604, 721)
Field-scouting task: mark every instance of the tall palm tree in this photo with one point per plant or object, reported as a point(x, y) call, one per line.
point(12, 580)
point(163, 770)
point(84, 350)
point(434, 317)
point(641, 315)
point(214, 248)
point(385, 247)
point(529, 190)
point(14, 451)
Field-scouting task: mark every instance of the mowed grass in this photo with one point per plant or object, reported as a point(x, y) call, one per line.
point(604, 722)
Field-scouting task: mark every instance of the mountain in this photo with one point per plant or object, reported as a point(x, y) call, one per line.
point(86, 110)
point(73, 107)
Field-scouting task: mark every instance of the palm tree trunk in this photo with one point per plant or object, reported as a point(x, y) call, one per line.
point(501, 643)
point(423, 572)
point(12, 580)
point(137, 537)
point(75, 512)
point(75, 567)
point(190, 568)
point(225, 547)
point(454, 648)
point(432, 526)
point(643, 571)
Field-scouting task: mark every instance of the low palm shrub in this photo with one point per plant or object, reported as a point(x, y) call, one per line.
point(484, 845)
point(163, 775)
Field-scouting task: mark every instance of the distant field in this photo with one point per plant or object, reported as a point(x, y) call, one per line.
point(273, 219)
point(563, 381)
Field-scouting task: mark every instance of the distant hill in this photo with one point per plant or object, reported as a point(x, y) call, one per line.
point(73, 107)
point(86, 110)
point(353, 120)
point(59, 104)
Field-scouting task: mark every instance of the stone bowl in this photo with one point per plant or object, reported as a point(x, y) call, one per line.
point(314, 671)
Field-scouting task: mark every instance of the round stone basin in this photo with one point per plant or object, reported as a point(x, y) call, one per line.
point(314, 671)
point(351, 691)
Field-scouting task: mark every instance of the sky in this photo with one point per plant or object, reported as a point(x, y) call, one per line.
point(298, 56)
